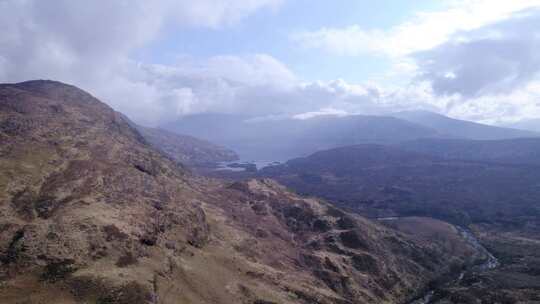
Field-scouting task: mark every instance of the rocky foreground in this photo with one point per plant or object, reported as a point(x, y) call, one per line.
point(91, 213)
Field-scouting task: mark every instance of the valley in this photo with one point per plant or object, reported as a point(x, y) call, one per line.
point(494, 200)
point(101, 212)
point(488, 189)
point(93, 213)
point(269, 152)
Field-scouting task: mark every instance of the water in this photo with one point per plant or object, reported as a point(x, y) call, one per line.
point(258, 163)
point(491, 263)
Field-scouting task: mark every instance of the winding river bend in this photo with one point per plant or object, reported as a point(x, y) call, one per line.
point(491, 263)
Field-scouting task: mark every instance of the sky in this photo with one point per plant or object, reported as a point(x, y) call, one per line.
point(157, 61)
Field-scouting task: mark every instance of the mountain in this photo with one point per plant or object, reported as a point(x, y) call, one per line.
point(510, 151)
point(187, 149)
point(529, 124)
point(285, 138)
point(379, 181)
point(461, 128)
point(282, 139)
point(497, 201)
point(90, 212)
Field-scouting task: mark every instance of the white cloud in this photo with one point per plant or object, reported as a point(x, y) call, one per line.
point(321, 112)
point(217, 84)
point(475, 59)
point(500, 108)
point(425, 31)
point(89, 43)
point(494, 59)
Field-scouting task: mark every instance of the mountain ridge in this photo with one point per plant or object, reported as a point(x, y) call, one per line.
point(277, 139)
point(462, 128)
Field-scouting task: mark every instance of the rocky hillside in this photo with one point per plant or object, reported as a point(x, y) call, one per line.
point(186, 149)
point(494, 194)
point(91, 213)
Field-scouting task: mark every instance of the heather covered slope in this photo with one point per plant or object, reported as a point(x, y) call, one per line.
point(91, 213)
point(386, 180)
point(519, 151)
point(187, 149)
point(81, 192)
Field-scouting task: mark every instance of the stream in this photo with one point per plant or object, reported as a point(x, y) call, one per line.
point(491, 263)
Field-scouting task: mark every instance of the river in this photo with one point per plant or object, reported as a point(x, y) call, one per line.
point(491, 262)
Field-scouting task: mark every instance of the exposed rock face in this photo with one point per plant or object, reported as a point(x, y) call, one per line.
point(363, 261)
point(90, 213)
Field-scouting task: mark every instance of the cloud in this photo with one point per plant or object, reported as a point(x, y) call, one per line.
point(424, 31)
point(477, 60)
point(55, 40)
point(90, 43)
point(499, 108)
point(498, 58)
point(215, 13)
point(218, 84)
point(321, 112)
point(256, 85)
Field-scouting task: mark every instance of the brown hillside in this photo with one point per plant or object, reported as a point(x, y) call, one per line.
point(90, 213)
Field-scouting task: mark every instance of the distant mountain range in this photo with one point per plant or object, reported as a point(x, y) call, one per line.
point(283, 139)
point(461, 128)
point(528, 124)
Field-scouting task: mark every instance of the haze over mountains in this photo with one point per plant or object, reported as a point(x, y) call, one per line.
point(528, 124)
point(461, 128)
point(186, 149)
point(286, 138)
